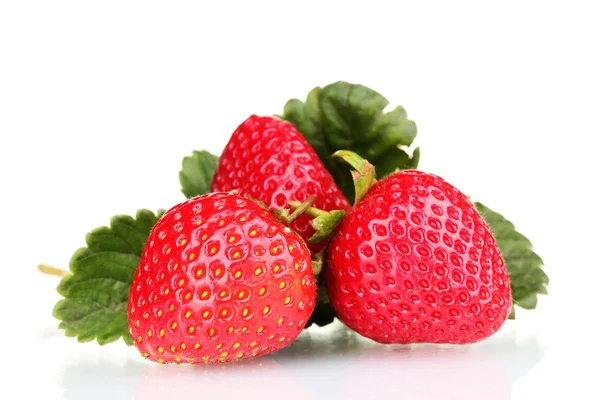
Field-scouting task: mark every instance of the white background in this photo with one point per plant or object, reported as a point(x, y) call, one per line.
point(100, 101)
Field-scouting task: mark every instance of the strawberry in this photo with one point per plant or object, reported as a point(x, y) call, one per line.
point(219, 280)
point(269, 160)
point(415, 262)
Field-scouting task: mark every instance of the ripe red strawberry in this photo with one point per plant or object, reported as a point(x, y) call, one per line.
point(269, 160)
point(219, 279)
point(415, 262)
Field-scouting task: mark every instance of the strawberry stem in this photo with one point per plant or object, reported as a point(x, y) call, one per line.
point(312, 211)
point(48, 270)
point(301, 208)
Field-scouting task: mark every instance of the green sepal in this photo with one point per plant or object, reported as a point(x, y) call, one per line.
point(527, 278)
point(197, 172)
point(363, 173)
point(325, 224)
point(96, 292)
point(317, 264)
point(346, 116)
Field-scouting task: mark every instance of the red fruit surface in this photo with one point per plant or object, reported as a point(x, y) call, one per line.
point(415, 262)
point(269, 160)
point(219, 280)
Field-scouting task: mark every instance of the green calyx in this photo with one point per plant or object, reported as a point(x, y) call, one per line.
point(363, 174)
point(318, 260)
point(324, 222)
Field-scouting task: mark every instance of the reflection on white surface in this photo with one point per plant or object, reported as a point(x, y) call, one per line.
point(322, 363)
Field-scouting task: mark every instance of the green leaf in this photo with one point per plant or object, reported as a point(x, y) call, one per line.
point(527, 279)
point(349, 113)
point(393, 130)
point(97, 290)
point(197, 172)
point(346, 116)
point(396, 159)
